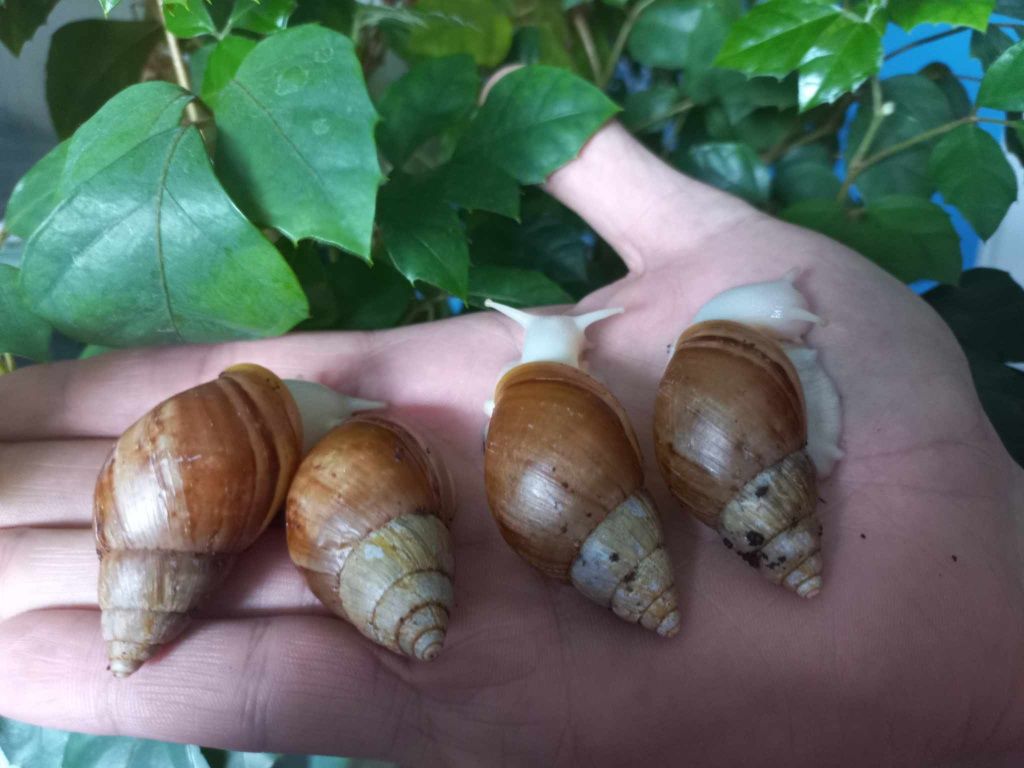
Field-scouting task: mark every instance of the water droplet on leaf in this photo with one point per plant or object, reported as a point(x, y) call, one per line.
point(291, 80)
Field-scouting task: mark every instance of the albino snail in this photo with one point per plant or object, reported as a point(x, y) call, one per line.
point(564, 477)
point(731, 426)
point(187, 488)
point(368, 516)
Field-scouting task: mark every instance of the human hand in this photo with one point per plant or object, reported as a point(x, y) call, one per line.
point(911, 655)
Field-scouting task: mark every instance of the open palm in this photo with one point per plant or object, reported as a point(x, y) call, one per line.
point(913, 654)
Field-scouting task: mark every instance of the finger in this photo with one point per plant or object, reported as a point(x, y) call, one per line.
point(42, 569)
point(299, 684)
point(49, 483)
point(645, 209)
point(102, 396)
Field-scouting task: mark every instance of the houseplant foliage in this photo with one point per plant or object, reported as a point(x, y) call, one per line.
point(238, 169)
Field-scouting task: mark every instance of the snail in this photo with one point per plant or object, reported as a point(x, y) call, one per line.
point(187, 488)
point(565, 481)
point(368, 525)
point(746, 422)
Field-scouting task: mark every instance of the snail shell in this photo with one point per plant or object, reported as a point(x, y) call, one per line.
point(730, 431)
point(184, 490)
point(368, 525)
point(564, 482)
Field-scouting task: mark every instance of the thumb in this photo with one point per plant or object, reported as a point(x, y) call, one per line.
point(645, 209)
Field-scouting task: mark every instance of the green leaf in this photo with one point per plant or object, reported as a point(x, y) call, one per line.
point(806, 173)
point(544, 35)
point(36, 194)
point(190, 19)
point(968, 13)
point(129, 118)
point(21, 332)
point(264, 17)
point(989, 45)
point(295, 138)
point(10, 251)
point(19, 20)
point(972, 172)
point(223, 64)
point(478, 186)
point(844, 56)
point(918, 238)
point(109, 5)
point(550, 239)
point(518, 287)
point(1001, 390)
point(920, 105)
point(673, 34)
point(775, 36)
point(149, 250)
point(477, 27)
point(534, 121)
point(85, 751)
point(422, 234)
point(346, 293)
point(427, 100)
point(334, 14)
point(1014, 137)
point(30, 746)
point(985, 312)
point(733, 167)
point(950, 85)
point(739, 95)
point(647, 111)
point(1001, 87)
point(1013, 8)
point(89, 62)
point(196, 61)
point(910, 237)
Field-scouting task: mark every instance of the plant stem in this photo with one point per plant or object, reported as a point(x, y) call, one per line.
point(857, 161)
point(895, 149)
point(579, 22)
point(620, 40)
point(180, 73)
point(794, 140)
point(925, 41)
point(681, 108)
point(858, 166)
point(7, 364)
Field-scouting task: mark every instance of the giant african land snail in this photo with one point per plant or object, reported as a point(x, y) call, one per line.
point(194, 482)
point(731, 429)
point(564, 477)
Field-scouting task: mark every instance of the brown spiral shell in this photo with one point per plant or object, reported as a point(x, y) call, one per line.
point(184, 490)
point(565, 484)
point(368, 525)
point(730, 430)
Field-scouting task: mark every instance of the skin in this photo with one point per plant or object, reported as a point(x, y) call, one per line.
point(912, 655)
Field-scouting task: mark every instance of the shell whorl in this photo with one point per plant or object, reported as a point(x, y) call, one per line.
point(368, 519)
point(623, 566)
point(185, 489)
point(565, 485)
point(771, 523)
